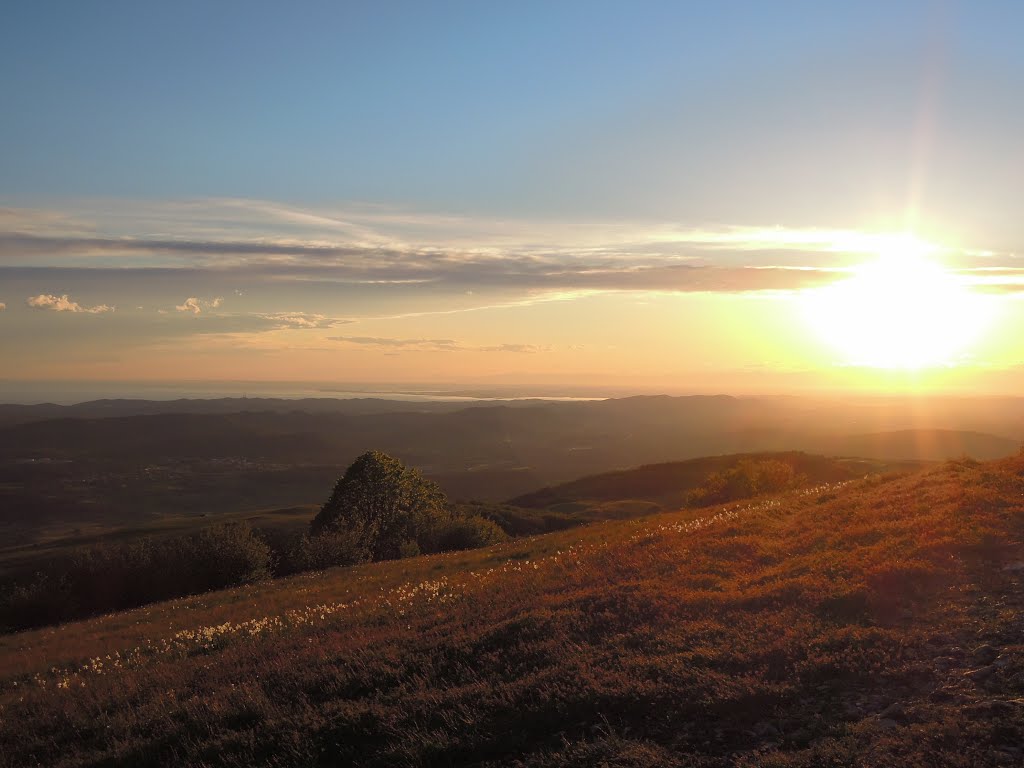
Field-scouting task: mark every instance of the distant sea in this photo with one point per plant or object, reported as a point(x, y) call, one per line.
point(71, 392)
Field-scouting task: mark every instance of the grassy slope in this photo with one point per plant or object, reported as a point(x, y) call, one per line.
point(618, 495)
point(832, 627)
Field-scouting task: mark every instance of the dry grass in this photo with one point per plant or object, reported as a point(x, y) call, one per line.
point(777, 632)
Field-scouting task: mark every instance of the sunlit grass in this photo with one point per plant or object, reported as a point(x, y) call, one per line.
point(675, 635)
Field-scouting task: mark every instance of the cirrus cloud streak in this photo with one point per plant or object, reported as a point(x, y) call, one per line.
point(436, 345)
point(379, 246)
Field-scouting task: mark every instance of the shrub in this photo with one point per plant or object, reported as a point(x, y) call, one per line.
point(517, 521)
point(329, 549)
point(466, 533)
point(746, 479)
point(284, 547)
point(225, 556)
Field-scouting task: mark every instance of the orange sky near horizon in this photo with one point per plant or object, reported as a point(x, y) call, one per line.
point(894, 319)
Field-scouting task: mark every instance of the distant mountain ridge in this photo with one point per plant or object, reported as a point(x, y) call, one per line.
point(285, 452)
point(121, 407)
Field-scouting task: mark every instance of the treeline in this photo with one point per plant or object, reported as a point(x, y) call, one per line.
point(114, 577)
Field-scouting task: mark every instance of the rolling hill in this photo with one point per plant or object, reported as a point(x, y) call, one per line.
point(132, 462)
point(870, 622)
point(614, 495)
point(666, 485)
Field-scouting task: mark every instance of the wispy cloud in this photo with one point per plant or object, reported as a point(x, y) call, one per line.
point(528, 349)
point(301, 320)
point(446, 345)
point(378, 246)
point(2, 306)
point(238, 323)
point(64, 304)
point(1005, 280)
point(435, 345)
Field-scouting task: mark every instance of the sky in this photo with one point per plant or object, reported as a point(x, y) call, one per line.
point(653, 195)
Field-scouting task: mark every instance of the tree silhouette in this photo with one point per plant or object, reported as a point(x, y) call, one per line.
point(387, 505)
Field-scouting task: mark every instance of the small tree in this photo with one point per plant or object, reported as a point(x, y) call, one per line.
point(385, 504)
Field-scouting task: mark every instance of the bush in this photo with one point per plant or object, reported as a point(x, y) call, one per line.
point(746, 479)
point(284, 544)
point(226, 556)
point(517, 521)
point(466, 533)
point(329, 549)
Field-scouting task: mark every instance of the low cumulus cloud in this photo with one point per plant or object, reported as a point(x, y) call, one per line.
point(196, 305)
point(64, 304)
point(2, 306)
point(189, 305)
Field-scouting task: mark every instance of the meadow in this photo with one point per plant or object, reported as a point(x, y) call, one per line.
point(75, 577)
point(868, 622)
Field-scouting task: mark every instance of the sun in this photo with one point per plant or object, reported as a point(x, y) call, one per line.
point(901, 310)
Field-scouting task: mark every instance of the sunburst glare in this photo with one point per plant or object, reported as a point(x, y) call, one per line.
point(902, 310)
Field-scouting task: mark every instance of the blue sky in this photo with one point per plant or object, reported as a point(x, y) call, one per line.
point(504, 108)
point(459, 157)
